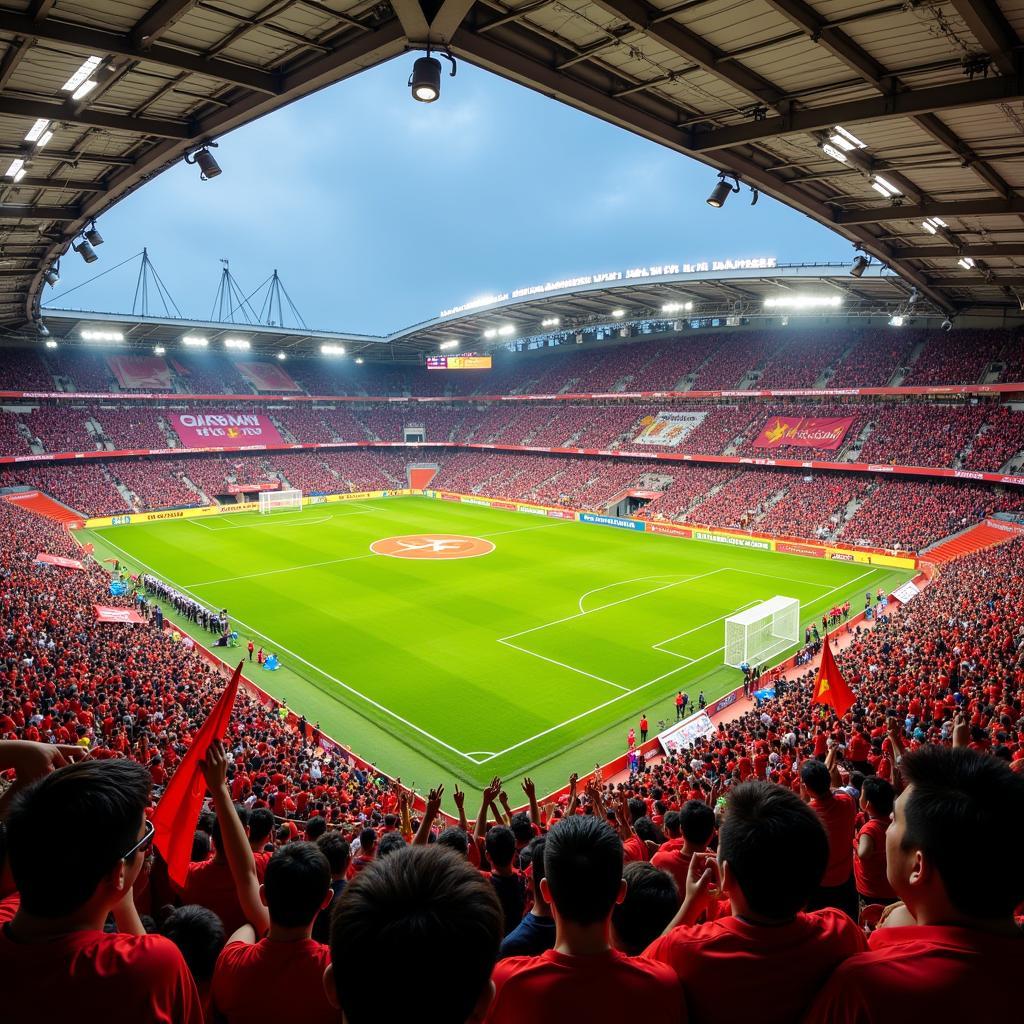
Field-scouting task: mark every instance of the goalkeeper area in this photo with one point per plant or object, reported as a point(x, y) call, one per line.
point(441, 639)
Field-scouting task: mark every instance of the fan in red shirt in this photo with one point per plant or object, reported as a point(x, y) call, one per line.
point(838, 813)
point(55, 944)
point(955, 854)
point(767, 961)
point(690, 830)
point(583, 977)
point(869, 870)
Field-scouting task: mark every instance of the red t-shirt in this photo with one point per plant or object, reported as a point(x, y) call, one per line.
point(839, 816)
point(870, 872)
point(209, 883)
point(268, 980)
point(672, 859)
point(927, 972)
point(554, 988)
point(739, 971)
point(117, 979)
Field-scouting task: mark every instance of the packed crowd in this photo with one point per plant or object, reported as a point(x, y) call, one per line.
point(792, 866)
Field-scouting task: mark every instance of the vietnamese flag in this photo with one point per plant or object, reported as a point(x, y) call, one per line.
point(830, 687)
point(175, 817)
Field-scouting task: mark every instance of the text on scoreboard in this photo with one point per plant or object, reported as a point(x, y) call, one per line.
point(468, 361)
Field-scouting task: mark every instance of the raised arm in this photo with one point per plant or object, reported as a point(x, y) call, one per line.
point(460, 802)
point(236, 844)
point(531, 794)
point(427, 821)
point(574, 797)
point(32, 761)
point(490, 792)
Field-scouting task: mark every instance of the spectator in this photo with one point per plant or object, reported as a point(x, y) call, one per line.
point(77, 840)
point(583, 977)
point(652, 901)
point(869, 866)
point(415, 920)
point(337, 852)
point(535, 933)
point(508, 883)
point(956, 860)
point(838, 813)
point(690, 830)
point(367, 848)
point(199, 934)
point(767, 960)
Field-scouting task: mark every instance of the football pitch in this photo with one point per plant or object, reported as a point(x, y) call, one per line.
point(528, 649)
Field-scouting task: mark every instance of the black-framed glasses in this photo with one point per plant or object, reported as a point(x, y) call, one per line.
point(144, 843)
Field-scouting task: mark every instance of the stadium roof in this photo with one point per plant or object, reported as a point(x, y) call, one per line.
point(929, 95)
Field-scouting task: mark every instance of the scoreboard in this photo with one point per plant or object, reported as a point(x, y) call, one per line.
point(468, 361)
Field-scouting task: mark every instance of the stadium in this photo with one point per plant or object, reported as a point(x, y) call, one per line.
point(641, 636)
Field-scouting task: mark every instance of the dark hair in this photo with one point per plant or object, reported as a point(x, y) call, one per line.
point(200, 846)
point(215, 832)
point(637, 808)
point(652, 900)
point(965, 811)
point(70, 829)
point(455, 839)
point(367, 840)
point(296, 881)
point(199, 934)
point(390, 843)
point(816, 777)
point(522, 827)
point(671, 823)
point(775, 846)
point(536, 849)
point(261, 823)
point(697, 822)
point(336, 850)
point(427, 913)
point(879, 793)
point(583, 866)
point(315, 828)
point(501, 846)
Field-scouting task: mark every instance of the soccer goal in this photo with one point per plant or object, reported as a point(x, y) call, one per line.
point(278, 501)
point(759, 633)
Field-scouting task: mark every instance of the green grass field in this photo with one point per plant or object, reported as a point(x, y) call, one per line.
point(531, 659)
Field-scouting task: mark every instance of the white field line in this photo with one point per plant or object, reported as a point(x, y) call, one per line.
point(650, 682)
point(562, 664)
point(315, 668)
point(787, 579)
point(659, 644)
point(274, 572)
point(622, 583)
point(250, 526)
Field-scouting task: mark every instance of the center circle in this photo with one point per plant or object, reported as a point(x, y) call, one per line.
point(432, 545)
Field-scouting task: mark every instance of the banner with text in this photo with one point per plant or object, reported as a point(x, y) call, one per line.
point(669, 428)
point(804, 432)
point(266, 376)
point(681, 736)
point(147, 372)
point(107, 613)
point(64, 563)
point(225, 429)
point(263, 485)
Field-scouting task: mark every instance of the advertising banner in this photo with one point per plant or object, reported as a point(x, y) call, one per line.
point(622, 524)
point(263, 485)
point(105, 613)
point(226, 429)
point(64, 563)
point(668, 428)
point(785, 548)
point(736, 542)
point(906, 592)
point(266, 376)
point(682, 735)
point(804, 432)
point(149, 372)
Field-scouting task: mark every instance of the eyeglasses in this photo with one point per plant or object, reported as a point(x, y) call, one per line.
point(144, 843)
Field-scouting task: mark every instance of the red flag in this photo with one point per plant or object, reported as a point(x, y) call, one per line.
point(175, 817)
point(830, 687)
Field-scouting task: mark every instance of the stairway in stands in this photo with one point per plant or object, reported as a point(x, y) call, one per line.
point(42, 505)
point(977, 538)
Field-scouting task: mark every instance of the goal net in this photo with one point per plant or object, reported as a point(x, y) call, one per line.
point(278, 501)
point(759, 633)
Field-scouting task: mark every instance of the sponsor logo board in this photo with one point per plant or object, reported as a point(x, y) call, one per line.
point(737, 542)
point(798, 549)
point(804, 432)
point(622, 524)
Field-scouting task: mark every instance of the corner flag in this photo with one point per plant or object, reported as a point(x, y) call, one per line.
point(175, 817)
point(830, 687)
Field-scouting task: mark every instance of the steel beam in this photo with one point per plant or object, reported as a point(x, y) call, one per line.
point(877, 108)
point(929, 252)
point(159, 19)
point(94, 118)
point(961, 208)
point(13, 211)
point(989, 26)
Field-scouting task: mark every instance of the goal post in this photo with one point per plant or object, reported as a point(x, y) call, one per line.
point(759, 633)
point(280, 501)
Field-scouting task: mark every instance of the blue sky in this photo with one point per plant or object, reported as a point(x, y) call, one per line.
point(379, 211)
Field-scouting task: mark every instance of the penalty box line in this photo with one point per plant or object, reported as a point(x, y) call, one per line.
point(334, 679)
point(651, 682)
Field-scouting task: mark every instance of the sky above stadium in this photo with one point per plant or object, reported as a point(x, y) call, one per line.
point(378, 211)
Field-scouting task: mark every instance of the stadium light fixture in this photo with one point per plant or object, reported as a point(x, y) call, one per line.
point(932, 225)
point(84, 89)
point(803, 302)
point(506, 330)
point(52, 275)
point(721, 191)
point(92, 236)
point(966, 262)
point(618, 313)
point(332, 350)
point(947, 324)
point(195, 341)
point(425, 80)
point(41, 329)
point(102, 336)
point(884, 187)
point(282, 356)
point(449, 344)
point(204, 160)
point(241, 344)
point(85, 250)
point(51, 343)
point(837, 154)
point(897, 320)
point(844, 140)
point(490, 333)
point(359, 360)
point(860, 264)
point(550, 321)
point(158, 350)
point(44, 138)
point(677, 307)
point(37, 130)
point(17, 170)
point(75, 82)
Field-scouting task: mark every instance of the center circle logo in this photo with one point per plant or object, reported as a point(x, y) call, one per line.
point(432, 545)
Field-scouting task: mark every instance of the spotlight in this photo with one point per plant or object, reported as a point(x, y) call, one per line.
point(52, 276)
point(51, 343)
point(618, 313)
point(896, 320)
point(947, 324)
point(281, 356)
point(359, 360)
point(425, 80)
point(720, 193)
point(92, 236)
point(860, 264)
point(158, 350)
point(86, 251)
point(208, 167)
point(41, 329)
